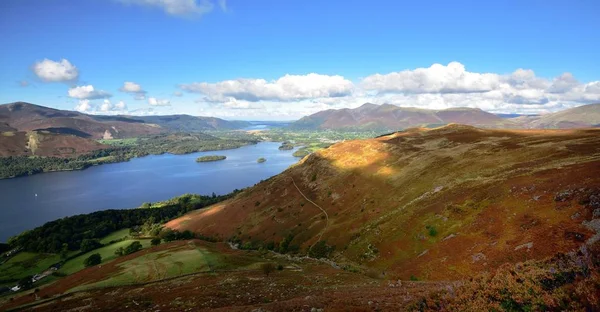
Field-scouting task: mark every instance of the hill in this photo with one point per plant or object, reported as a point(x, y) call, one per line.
point(578, 117)
point(187, 123)
point(390, 117)
point(438, 204)
point(29, 117)
point(22, 116)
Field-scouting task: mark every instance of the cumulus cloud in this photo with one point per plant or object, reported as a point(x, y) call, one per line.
point(135, 89)
point(158, 102)
point(105, 107)
point(178, 93)
point(180, 8)
point(83, 106)
point(52, 71)
point(285, 89)
point(88, 92)
point(434, 87)
point(235, 104)
point(438, 78)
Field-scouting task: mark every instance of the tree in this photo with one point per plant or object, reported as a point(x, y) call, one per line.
point(89, 245)
point(120, 251)
point(133, 247)
point(26, 282)
point(64, 251)
point(155, 241)
point(320, 250)
point(92, 260)
point(267, 268)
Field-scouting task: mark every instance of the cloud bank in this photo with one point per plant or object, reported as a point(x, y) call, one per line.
point(436, 87)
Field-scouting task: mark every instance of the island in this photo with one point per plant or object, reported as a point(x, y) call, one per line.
point(286, 146)
point(301, 152)
point(261, 160)
point(210, 158)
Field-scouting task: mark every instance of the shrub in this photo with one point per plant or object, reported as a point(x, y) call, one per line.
point(279, 267)
point(92, 260)
point(320, 250)
point(133, 247)
point(433, 231)
point(89, 245)
point(155, 241)
point(267, 268)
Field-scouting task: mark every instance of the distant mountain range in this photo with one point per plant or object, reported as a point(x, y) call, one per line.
point(391, 117)
point(21, 116)
point(27, 129)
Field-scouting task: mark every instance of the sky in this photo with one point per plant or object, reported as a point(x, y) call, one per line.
point(284, 59)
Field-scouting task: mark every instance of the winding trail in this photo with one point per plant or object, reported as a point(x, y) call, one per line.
point(323, 210)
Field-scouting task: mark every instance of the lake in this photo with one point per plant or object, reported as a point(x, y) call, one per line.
point(129, 184)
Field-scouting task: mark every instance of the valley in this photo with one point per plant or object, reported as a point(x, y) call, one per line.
point(403, 221)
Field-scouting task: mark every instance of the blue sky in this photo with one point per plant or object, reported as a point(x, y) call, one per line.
point(230, 58)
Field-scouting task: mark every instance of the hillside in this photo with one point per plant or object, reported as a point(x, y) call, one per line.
point(29, 117)
point(437, 204)
point(390, 117)
point(578, 117)
point(22, 116)
point(45, 143)
point(187, 123)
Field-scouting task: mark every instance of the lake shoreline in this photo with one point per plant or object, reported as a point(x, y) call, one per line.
point(116, 161)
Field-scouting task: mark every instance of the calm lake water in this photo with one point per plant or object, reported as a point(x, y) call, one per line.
point(129, 184)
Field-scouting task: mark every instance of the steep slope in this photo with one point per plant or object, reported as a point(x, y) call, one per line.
point(438, 204)
point(386, 116)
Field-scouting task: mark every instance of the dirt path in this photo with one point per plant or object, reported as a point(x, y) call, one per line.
point(323, 210)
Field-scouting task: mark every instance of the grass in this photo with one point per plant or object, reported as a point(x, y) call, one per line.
point(107, 253)
point(26, 264)
point(120, 142)
point(115, 236)
point(174, 262)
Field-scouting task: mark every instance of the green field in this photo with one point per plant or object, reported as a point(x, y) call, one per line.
point(173, 262)
point(26, 264)
point(107, 253)
point(114, 236)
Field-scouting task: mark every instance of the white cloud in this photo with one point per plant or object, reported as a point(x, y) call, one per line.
point(438, 78)
point(88, 92)
point(51, 71)
point(180, 8)
point(158, 102)
point(135, 89)
point(83, 106)
point(235, 104)
point(286, 89)
point(105, 107)
point(178, 93)
point(434, 87)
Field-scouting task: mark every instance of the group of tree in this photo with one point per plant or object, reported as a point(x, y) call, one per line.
point(131, 248)
point(68, 234)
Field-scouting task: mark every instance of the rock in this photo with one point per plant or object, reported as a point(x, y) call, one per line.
point(575, 216)
point(596, 213)
point(477, 257)
point(526, 245)
point(537, 197)
point(449, 237)
point(423, 253)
